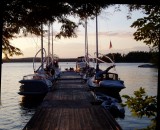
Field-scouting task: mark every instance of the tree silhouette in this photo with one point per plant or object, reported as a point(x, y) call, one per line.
point(23, 17)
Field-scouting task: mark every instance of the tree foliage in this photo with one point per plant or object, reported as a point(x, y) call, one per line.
point(132, 57)
point(148, 27)
point(142, 105)
point(26, 16)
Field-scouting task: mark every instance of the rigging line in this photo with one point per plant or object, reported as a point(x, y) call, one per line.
point(48, 38)
point(35, 42)
point(109, 41)
point(97, 65)
point(86, 40)
point(52, 40)
point(42, 58)
point(103, 39)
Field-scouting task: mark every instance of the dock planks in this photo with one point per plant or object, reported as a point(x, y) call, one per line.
point(69, 107)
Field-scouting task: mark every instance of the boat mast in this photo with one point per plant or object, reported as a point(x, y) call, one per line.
point(97, 65)
point(86, 41)
point(86, 37)
point(42, 47)
point(52, 43)
point(48, 40)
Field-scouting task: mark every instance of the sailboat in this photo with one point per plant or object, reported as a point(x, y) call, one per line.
point(52, 62)
point(105, 82)
point(37, 84)
point(43, 78)
point(106, 85)
point(83, 65)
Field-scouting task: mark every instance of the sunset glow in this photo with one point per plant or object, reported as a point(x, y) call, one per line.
point(112, 26)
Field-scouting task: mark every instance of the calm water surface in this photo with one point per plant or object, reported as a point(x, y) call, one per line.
point(15, 112)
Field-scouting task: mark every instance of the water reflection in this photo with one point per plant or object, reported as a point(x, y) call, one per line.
point(16, 111)
point(31, 102)
point(27, 108)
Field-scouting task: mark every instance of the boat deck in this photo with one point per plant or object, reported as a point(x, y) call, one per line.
point(71, 107)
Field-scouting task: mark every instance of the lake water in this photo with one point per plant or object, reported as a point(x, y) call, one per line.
point(14, 113)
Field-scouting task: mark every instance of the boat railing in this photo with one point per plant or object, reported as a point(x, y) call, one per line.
point(102, 55)
point(34, 68)
point(36, 76)
point(28, 77)
point(101, 60)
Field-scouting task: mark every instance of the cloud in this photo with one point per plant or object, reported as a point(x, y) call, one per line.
point(126, 50)
point(120, 33)
point(116, 34)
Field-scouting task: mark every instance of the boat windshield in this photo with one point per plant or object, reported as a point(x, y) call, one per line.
point(80, 59)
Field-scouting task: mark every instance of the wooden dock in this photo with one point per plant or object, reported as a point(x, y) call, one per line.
point(70, 107)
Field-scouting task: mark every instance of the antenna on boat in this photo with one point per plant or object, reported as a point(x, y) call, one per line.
point(97, 65)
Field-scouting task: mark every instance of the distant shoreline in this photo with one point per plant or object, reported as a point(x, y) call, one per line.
point(131, 57)
point(30, 59)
